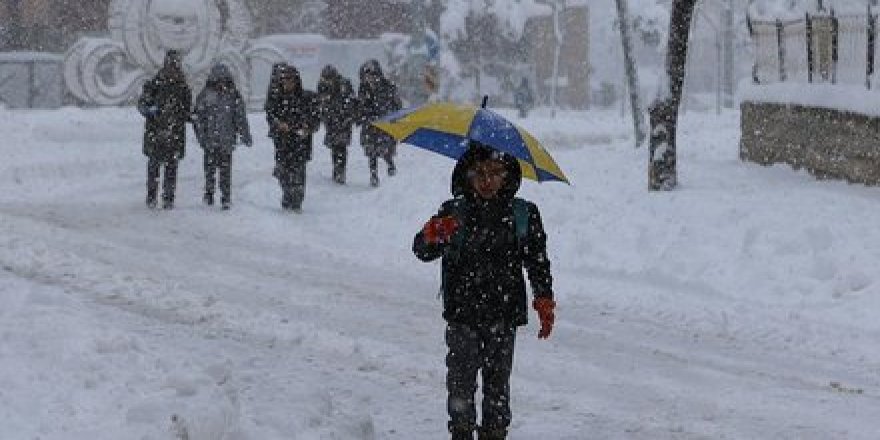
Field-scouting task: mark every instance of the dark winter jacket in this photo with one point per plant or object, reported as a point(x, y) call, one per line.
point(523, 97)
point(299, 110)
point(165, 102)
point(482, 266)
point(338, 107)
point(220, 115)
point(377, 97)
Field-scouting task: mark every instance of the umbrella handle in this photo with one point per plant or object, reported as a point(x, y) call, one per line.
point(485, 101)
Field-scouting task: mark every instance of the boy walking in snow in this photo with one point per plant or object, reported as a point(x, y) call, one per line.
point(337, 106)
point(292, 113)
point(377, 97)
point(165, 103)
point(485, 237)
point(220, 121)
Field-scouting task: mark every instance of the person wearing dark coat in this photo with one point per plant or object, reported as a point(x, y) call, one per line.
point(338, 107)
point(485, 237)
point(523, 98)
point(377, 97)
point(220, 122)
point(165, 103)
point(292, 113)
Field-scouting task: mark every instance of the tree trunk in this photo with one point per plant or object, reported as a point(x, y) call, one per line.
point(631, 72)
point(662, 173)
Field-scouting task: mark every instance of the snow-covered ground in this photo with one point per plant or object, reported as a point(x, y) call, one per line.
point(741, 306)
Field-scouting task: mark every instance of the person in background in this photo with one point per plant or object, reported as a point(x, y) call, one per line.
point(377, 97)
point(485, 236)
point(523, 98)
point(220, 121)
point(292, 113)
point(337, 107)
point(165, 103)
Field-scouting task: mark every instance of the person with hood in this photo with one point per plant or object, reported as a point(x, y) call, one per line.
point(338, 106)
point(292, 113)
point(377, 97)
point(485, 236)
point(523, 98)
point(220, 121)
point(165, 103)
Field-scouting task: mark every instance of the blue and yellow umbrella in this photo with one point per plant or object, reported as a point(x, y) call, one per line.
point(446, 128)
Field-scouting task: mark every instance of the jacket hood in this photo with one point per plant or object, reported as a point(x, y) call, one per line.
point(370, 67)
point(172, 60)
point(220, 74)
point(292, 72)
point(461, 185)
point(172, 66)
point(329, 73)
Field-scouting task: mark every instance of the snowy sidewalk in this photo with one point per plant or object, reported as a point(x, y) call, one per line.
point(725, 309)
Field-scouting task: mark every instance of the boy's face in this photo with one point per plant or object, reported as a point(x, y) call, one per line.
point(487, 177)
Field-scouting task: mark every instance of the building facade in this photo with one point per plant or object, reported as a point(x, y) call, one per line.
point(43, 25)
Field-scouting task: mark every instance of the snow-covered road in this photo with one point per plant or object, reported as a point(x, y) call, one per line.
point(741, 306)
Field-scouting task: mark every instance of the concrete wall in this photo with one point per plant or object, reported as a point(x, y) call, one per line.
point(827, 143)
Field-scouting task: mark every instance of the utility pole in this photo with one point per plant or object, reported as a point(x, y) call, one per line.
point(631, 72)
point(727, 29)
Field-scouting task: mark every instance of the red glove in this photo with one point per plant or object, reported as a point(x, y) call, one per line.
point(545, 306)
point(440, 229)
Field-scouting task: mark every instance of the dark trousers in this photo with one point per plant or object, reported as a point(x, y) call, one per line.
point(489, 352)
point(291, 176)
point(217, 161)
point(169, 183)
point(374, 167)
point(340, 158)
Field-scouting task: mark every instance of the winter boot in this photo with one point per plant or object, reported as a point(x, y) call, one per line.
point(492, 434)
point(208, 198)
point(339, 176)
point(461, 433)
point(168, 204)
point(392, 169)
point(152, 193)
point(374, 178)
point(225, 205)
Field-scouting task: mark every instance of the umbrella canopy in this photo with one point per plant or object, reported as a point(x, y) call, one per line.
point(447, 128)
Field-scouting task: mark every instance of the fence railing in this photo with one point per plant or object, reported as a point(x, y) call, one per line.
point(818, 48)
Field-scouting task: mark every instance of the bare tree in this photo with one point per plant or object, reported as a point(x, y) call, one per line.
point(631, 73)
point(662, 174)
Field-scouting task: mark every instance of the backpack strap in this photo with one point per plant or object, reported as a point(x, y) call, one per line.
point(521, 218)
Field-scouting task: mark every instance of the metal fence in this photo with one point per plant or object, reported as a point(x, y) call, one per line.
point(818, 48)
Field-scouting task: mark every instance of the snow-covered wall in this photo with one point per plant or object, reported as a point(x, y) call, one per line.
point(826, 142)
